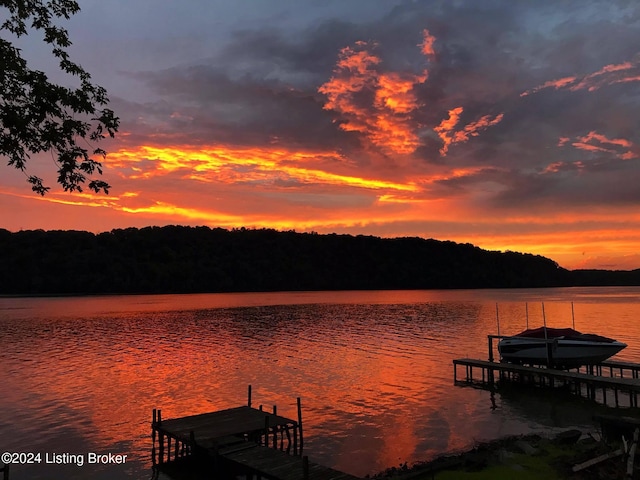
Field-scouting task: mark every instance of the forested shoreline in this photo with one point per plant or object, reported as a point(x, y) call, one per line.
point(177, 259)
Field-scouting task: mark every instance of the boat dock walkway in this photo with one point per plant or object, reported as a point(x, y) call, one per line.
point(244, 440)
point(275, 464)
point(586, 381)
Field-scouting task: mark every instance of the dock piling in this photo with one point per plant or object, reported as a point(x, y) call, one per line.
point(300, 423)
point(153, 436)
point(266, 431)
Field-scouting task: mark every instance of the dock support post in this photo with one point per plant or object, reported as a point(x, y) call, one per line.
point(275, 429)
point(5, 472)
point(192, 442)
point(160, 439)
point(305, 467)
point(490, 341)
point(300, 424)
point(249, 396)
point(282, 429)
point(266, 431)
point(288, 438)
point(153, 436)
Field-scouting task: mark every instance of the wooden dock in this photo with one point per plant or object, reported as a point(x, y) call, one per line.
point(243, 440)
point(277, 465)
point(586, 381)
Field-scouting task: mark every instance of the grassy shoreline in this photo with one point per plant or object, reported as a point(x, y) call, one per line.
point(522, 457)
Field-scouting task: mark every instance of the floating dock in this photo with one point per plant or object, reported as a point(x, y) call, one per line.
point(242, 440)
point(603, 382)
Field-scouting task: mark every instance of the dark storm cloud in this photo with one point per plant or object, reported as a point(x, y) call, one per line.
point(207, 104)
point(303, 58)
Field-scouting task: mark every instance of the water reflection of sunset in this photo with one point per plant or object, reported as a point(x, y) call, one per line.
point(373, 369)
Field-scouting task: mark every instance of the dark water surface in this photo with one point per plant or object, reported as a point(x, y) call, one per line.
point(373, 369)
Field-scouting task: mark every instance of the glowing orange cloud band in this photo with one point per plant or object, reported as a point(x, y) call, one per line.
point(237, 164)
point(607, 75)
point(596, 142)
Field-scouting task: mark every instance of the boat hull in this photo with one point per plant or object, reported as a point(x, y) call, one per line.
point(559, 352)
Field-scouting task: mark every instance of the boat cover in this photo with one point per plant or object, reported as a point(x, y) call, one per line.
point(568, 333)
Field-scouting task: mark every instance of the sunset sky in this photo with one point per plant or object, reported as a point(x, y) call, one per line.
point(508, 125)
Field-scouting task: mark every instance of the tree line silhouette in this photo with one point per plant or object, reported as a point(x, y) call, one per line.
point(178, 259)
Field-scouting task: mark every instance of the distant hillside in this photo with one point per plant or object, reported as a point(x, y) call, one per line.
point(200, 259)
point(601, 278)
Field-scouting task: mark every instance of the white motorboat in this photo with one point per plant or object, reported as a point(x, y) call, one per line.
point(558, 347)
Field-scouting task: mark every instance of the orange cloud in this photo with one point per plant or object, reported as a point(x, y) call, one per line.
point(607, 75)
point(556, 167)
point(471, 129)
point(596, 142)
point(353, 75)
point(233, 164)
point(385, 121)
point(395, 92)
point(428, 41)
point(556, 84)
point(630, 78)
point(592, 82)
point(85, 199)
point(445, 129)
point(602, 139)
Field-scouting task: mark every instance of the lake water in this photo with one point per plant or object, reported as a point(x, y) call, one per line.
point(373, 369)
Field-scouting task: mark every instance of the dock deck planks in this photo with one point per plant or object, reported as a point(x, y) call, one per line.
point(492, 370)
point(628, 383)
point(278, 465)
point(223, 423)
